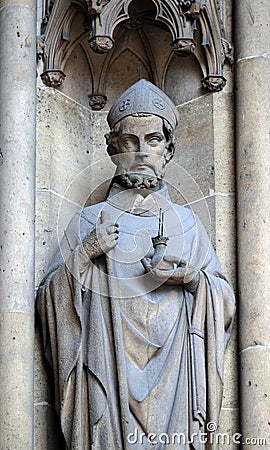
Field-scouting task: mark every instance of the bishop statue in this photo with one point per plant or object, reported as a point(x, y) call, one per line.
point(135, 311)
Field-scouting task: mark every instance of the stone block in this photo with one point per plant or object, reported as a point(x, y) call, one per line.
point(231, 382)
point(252, 19)
point(43, 234)
point(228, 435)
point(254, 201)
point(16, 369)
point(255, 392)
point(195, 144)
point(225, 234)
point(70, 158)
point(224, 153)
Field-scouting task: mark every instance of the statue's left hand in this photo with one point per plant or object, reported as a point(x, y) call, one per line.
point(183, 274)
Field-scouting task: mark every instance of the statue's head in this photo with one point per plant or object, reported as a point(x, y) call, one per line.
point(141, 141)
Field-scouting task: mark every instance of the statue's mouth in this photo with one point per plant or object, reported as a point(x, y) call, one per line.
point(142, 167)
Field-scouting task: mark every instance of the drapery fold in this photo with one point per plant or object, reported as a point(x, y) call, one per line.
point(78, 329)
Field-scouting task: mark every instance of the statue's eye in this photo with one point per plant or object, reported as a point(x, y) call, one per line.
point(154, 141)
point(127, 142)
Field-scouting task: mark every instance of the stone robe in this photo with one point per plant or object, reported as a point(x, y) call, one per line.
point(136, 364)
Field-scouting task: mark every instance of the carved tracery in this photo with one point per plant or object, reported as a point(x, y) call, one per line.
point(195, 27)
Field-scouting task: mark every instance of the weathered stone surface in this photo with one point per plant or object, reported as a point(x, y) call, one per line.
point(17, 167)
point(42, 391)
point(252, 21)
point(253, 177)
point(225, 234)
point(72, 164)
point(49, 233)
point(70, 139)
point(231, 382)
point(16, 383)
point(21, 3)
point(188, 71)
point(194, 149)
point(224, 151)
point(253, 140)
point(47, 428)
point(17, 215)
point(228, 435)
point(255, 390)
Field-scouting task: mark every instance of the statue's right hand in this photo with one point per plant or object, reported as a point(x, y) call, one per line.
point(101, 239)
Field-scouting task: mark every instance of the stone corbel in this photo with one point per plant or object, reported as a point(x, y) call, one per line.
point(56, 26)
point(214, 83)
point(97, 101)
point(101, 44)
point(53, 78)
point(183, 46)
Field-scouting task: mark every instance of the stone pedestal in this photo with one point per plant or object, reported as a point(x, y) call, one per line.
point(253, 180)
point(17, 175)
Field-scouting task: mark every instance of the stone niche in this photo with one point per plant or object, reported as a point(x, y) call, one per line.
point(73, 168)
point(142, 50)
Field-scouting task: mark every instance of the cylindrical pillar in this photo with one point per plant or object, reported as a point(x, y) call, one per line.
point(252, 41)
point(17, 200)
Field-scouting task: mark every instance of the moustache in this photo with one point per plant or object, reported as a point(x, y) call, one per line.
point(137, 181)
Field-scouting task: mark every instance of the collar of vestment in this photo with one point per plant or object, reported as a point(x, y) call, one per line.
point(140, 202)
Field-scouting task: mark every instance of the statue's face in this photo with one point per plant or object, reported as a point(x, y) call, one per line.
point(142, 147)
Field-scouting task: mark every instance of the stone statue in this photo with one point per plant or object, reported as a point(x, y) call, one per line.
point(135, 310)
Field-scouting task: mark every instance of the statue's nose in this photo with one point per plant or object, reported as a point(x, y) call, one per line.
point(142, 147)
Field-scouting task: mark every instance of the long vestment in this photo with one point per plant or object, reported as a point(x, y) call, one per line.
point(132, 358)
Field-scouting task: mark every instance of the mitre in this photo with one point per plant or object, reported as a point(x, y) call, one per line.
point(143, 97)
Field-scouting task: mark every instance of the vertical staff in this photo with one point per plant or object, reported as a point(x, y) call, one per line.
point(161, 223)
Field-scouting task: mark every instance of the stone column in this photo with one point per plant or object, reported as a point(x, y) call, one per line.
point(252, 36)
point(17, 196)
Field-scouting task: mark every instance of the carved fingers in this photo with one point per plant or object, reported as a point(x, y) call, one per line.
point(183, 274)
point(101, 239)
point(146, 262)
point(107, 235)
point(186, 276)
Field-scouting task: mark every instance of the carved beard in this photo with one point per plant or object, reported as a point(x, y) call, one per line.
point(137, 181)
